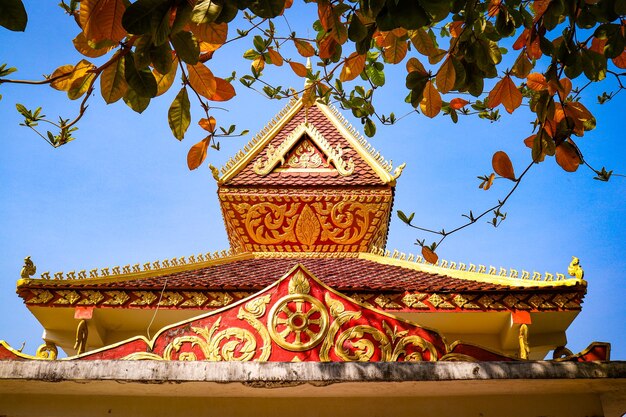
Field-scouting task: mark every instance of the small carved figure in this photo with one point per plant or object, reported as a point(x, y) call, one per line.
point(29, 269)
point(574, 269)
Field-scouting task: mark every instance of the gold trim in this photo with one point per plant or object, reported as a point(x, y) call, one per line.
point(260, 140)
point(151, 270)
point(418, 264)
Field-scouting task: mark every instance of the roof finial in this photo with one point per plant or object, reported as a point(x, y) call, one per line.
point(307, 85)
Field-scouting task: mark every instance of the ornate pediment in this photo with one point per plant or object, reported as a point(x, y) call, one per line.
point(309, 143)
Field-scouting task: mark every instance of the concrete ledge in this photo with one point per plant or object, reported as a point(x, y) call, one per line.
point(303, 372)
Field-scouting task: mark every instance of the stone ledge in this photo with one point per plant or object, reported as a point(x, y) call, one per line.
point(288, 374)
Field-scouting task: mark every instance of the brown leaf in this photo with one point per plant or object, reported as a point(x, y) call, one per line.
point(331, 21)
point(431, 103)
point(202, 80)
point(102, 19)
point(620, 61)
point(304, 48)
point(299, 69)
point(567, 157)
point(210, 35)
point(456, 28)
point(275, 57)
point(353, 67)
point(72, 73)
point(429, 255)
point(505, 92)
point(521, 40)
point(529, 141)
point(522, 66)
point(494, 7)
point(502, 165)
point(197, 154)
point(446, 77)
point(208, 124)
point(308, 96)
point(395, 49)
point(458, 103)
point(423, 42)
point(224, 90)
point(536, 82)
point(327, 46)
point(413, 64)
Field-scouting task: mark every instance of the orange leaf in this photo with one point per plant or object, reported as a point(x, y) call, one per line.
point(431, 103)
point(521, 40)
point(494, 7)
point(446, 76)
point(540, 7)
point(202, 80)
point(82, 45)
point(208, 124)
point(396, 49)
point(529, 141)
point(563, 86)
point(304, 48)
point(298, 68)
point(429, 255)
point(620, 61)
point(197, 154)
point(331, 21)
point(353, 67)
point(413, 64)
point(567, 157)
point(102, 19)
point(212, 35)
point(505, 92)
point(533, 48)
point(423, 42)
point(485, 185)
point(327, 46)
point(224, 90)
point(458, 103)
point(456, 28)
point(597, 45)
point(536, 82)
point(276, 58)
point(502, 165)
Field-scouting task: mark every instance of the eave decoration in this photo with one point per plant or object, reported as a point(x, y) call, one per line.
point(298, 318)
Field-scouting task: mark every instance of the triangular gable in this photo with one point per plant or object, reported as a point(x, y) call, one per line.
point(286, 154)
point(305, 155)
point(370, 166)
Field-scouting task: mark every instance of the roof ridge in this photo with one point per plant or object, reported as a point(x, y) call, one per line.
point(375, 156)
point(261, 134)
point(460, 270)
point(148, 268)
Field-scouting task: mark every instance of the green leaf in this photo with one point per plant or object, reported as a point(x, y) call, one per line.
point(161, 57)
point(369, 128)
point(376, 74)
point(186, 47)
point(179, 116)
point(205, 11)
point(594, 65)
point(135, 101)
point(357, 30)
point(13, 15)
point(266, 8)
point(144, 15)
point(22, 110)
point(141, 81)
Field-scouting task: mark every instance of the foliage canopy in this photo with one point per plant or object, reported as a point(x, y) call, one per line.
point(451, 49)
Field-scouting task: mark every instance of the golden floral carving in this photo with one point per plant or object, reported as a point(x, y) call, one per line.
point(47, 351)
point(67, 297)
point(143, 298)
point(306, 155)
point(91, 297)
point(40, 297)
point(194, 299)
point(117, 298)
point(170, 298)
point(308, 227)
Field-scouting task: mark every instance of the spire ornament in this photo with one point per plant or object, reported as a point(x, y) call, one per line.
point(575, 270)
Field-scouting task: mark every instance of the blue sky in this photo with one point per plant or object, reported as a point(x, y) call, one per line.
point(122, 192)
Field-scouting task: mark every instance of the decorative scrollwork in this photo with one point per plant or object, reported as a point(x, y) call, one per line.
point(47, 351)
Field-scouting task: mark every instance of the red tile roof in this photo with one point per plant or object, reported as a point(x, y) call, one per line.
point(342, 274)
point(363, 173)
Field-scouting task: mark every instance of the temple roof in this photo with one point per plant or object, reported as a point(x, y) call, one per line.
point(334, 138)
